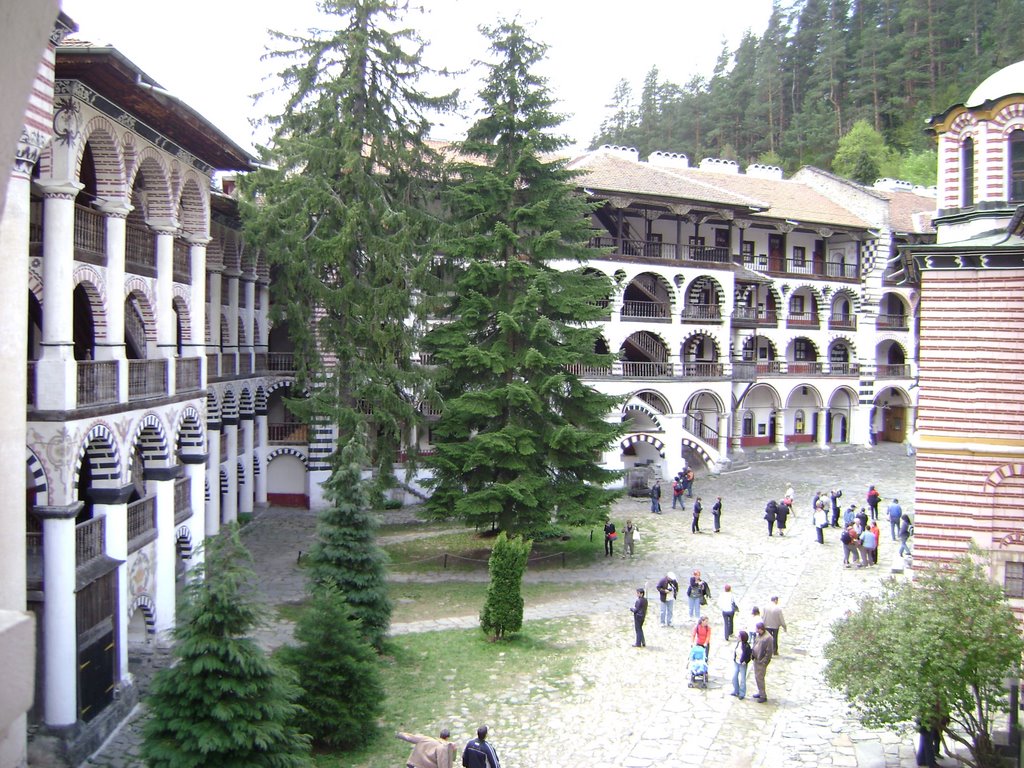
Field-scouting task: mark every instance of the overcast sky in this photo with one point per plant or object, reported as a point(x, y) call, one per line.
point(207, 52)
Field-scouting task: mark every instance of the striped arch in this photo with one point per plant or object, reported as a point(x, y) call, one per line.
point(645, 410)
point(180, 304)
point(108, 158)
point(245, 407)
point(151, 438)
point(206, 489)
point(212, 409)
point(692, 292)
point(225, 333)
point(229, 407)
point(288, 451)
point(260, 401)
point(232, 253)
point(101, 444)
point(92, 282)
point(138, 290)
point(240, 473)
point(255, 464)
point(279, 384)
point(193, 207)
point(183, 542)
point(224, 488)
point(36, 478)
point(242, 340)
point(697, 448)
point(1009, 119)
point(190, 440)
point(881, 338)
point(999, 474)
point(257, 332)
point(850, 296)
point(159, 198)
point(215, 249)
point(145, 604)
point(35, 282)
point(961, 123)
point(692, 337)
point(630, 440)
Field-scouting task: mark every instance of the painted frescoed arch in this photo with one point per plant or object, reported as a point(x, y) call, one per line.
point(190, 439)
point(145, 604)
point(101, 446)
point(180, 303)
point(36, 485)
point(631, 440)
point(108, 158)
point(90, 280)
point(151, 441)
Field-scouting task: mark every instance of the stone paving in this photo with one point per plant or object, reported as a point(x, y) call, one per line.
point(631, 708)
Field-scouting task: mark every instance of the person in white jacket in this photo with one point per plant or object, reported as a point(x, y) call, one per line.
point(727, 605)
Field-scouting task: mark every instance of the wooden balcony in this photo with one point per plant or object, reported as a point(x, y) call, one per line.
point(141, 522)
point(770, 368)
point(97, 382)
point(843, 369)
point(284, 362)
point(182, 261)
point(147, 378)
point(645, 311)
point(227, 365)
point(893, 371)
point(589, 371)
point(139, 250)
point(776, 265)
point(261, 361)
point(655, 249)
point(703, 370)
point(289, 432)
point(753, 317)
point(646, 369)
point(212, 365)
point(842, 322)
point(244, 363)
point(187, 374)
point(89, 538)
point(804, 368)
point(701, 313)
point(90, 236)
point(803, 320)
point(893, 323)
point(182, 500)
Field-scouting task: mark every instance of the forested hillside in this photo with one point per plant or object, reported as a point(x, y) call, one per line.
point(790, 95)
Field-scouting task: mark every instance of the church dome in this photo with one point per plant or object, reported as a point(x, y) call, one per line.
point(1006, 81)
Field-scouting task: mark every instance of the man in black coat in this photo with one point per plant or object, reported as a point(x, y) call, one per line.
point(478, 753)
point(639, 610)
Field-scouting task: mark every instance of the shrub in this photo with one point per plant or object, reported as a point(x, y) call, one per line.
point(502, 613)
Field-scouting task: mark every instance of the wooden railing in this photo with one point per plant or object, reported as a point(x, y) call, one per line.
point(804, 367)
point(646, 369)
point(97, 382)
point(141, 522)
point(755, 316)
point(182, 499)
point(893, 322)
point(212, 367)
point(182, 261)
point(139, 250)
point(90, 235)
point(706, 312)
point(844, 369)
point(802, 320)
point(842, 322)
point(655, 249)
point(89, 538)
point(285, 361)
point(288, 432)
point(244, 363)
point(645, 310)
point(147, 378)
point(703, 370)
point(227, 364)
point(588, 371)
point(769, 367)
point(901, 371)
point(187, 372)
point(261, 361)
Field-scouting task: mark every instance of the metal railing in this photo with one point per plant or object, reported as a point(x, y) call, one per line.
point(141, 521)
point(182, 261)
point(842, 322)
point(147, 378)
point(893, 322)
point(285, 361)
point(844, 271)
point(187, 374)
point(97, 382)
point(645, 310)
point(139, 249)
point(182, 499)
point(706, 312)
point(89, 538)
point(288, 432)
point(901, 371)
point(90, 235)
point(697, 427)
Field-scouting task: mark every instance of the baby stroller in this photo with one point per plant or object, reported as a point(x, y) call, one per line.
point(698, 667)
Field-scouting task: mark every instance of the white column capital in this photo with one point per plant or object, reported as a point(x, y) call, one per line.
point(61, 189)
point(115, 208)
point(163, 225)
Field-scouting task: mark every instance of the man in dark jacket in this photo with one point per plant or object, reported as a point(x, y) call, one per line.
point(639, 610)
point(478, 753)
point(656, 497)
point(771, 511)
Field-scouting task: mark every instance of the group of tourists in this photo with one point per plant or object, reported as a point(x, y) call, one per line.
point(630, 536)
point(441, 752)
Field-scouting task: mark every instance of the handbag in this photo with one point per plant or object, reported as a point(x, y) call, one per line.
point(636, 534)
point(613, 535)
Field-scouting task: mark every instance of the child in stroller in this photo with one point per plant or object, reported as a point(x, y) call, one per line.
point(698, 667)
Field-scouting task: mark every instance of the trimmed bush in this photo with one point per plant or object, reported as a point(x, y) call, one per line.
point(502, 613)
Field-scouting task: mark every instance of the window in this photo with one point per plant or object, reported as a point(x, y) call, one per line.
point(1017, 166)
point(796, 305)
point(1013, 581)
point(967, 172)
point(748, 424)
point(802, 350)
point(798, 423)
point(722, 238)
point(747, 249)
point(799, 256)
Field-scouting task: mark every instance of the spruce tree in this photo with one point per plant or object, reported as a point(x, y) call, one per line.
point(337, 671)
point(340, 210)
point(520, 436)
point(502, 613)
point(224, 703)
point(345, 555)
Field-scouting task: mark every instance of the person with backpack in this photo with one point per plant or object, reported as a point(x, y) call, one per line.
point(656, 498)
point(850, 541)
point(677, 491)
point(771, 512)
point(697, 593)
point(873, 498)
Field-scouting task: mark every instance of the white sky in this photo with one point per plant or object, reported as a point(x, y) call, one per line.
point(207, 52)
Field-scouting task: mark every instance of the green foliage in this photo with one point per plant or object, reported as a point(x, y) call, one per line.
point(502, 614)
point(519, 435)
point(946, 644)
point(346, 555)
point(342, 694)
point(224, 703)
point(862, 154)
point(341, 211)
point(915, 167)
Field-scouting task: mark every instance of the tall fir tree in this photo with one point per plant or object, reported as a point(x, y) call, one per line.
point(520, 436)
point(224, 702)
point(345, 555)
point(342, 214)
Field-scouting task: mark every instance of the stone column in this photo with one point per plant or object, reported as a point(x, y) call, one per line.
point(60, 635)
point(160, 483)
point(214, 321)
point(230, 344)
point(112, 504)
point(195, 471)
point(822, 417)
point(229, 511)
point(248, 286)
point(723, 435)
point(737, 431)
point(197, 302)
point(780, 430)
point(166, 332)
point(213, 512)
point(245, 495)
point(56, 372)
point(262, 441)
point(116, 212)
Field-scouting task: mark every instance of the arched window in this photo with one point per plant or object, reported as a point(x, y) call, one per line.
point(748, 424)
point(967, 172)
point(799, 423)
point(1017, 166)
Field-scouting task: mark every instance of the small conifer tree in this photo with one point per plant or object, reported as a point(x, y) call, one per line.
point(502, 613)
point(224, 703)
point(337, 670)
point(345, 554)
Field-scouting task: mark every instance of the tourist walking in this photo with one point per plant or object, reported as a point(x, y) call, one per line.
point(820, 521)
point(895, 513)
point(774, 621)
point(428, 752)
point(716, 514)
point(741, 658)
point(697, 509)
point(479, 753)
point(873, 498)
point(851, 545)
point(677, 491)
point(878, 541)
point(697, 594)
point(771, 512)
point(905, 526)
point(639, 610)
point(762, 652)
point(781, 515)
point(656, 497)
point(609, 538)
point(689, 477)
point(668, 590)
point(727, 605)
point(702, 635)
point(629, 535)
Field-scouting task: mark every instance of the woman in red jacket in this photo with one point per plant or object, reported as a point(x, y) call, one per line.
point(873, 498)
point(702, 635)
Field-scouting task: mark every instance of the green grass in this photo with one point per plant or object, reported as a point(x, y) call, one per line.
point(432, 676)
